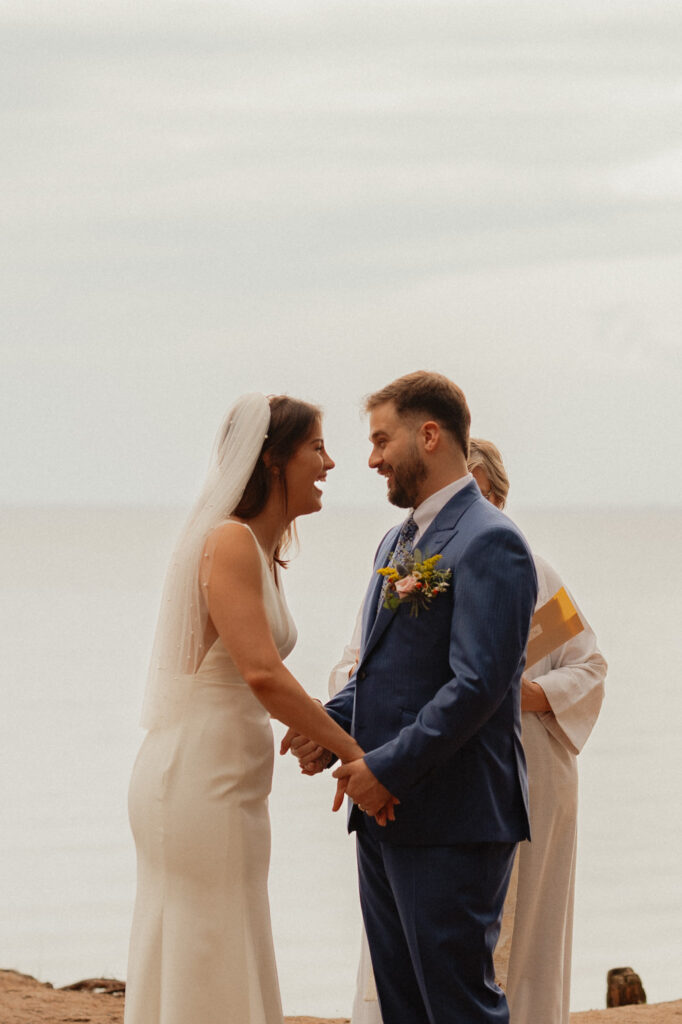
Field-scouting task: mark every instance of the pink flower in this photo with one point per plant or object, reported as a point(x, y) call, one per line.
point(405, 586)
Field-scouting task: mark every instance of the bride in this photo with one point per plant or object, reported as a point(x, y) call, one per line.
point(201, 945)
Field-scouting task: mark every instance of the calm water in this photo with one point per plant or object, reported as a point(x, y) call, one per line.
point(78, 604)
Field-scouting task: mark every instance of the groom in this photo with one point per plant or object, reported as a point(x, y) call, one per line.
point(435, 702)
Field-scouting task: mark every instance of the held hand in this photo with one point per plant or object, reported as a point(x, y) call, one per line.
point(340, 792)
point(355, 780)
point(308, 752)
point(316, 761)
point(289, 737)
point(311, 757)
point(300, 746)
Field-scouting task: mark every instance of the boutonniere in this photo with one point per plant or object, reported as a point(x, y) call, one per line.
point(415, 581)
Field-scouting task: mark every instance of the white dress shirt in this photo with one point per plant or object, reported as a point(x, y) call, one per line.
point(425, 513)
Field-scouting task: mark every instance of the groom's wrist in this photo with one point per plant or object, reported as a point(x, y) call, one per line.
point(386, 773)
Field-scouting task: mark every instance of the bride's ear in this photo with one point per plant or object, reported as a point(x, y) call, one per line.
point(267, 462)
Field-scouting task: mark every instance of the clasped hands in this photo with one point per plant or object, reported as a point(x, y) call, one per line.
point(353, 779)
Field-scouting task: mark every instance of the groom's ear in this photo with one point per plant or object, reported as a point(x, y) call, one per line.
point(430, 434)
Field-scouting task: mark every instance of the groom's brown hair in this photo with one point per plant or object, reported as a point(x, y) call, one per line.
point(430, 394)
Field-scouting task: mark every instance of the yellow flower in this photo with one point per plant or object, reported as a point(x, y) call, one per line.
point(391, 572)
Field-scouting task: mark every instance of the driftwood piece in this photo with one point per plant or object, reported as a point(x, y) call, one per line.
point(105, 986)
point(624, 987)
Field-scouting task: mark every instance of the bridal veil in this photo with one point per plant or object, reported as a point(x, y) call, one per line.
point(179, 641)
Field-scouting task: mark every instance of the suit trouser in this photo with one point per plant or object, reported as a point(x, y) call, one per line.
point(432, 916)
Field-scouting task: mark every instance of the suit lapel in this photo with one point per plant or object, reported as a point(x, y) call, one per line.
point(444, 526)
point(371, 621)
point(437, 535)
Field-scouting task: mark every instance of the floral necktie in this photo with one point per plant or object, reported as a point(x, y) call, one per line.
point(403, 549)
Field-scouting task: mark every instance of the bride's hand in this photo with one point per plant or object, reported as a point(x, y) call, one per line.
point(317, 766)
point(288, 739)
point(312, 758)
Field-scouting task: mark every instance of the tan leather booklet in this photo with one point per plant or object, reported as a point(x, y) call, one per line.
point(551, 626)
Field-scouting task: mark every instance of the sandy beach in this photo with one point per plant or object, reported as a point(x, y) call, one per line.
point(24, 1000)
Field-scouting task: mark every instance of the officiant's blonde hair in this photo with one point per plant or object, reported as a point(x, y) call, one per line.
point(486, 456)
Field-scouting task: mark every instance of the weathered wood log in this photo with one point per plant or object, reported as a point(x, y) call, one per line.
point(624, 987)
point(107, 986)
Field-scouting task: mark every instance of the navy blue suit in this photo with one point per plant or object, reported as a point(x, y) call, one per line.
point(435, 703)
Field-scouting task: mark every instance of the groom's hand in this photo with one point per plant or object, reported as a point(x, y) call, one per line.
point(387, 813)
point(356, 781)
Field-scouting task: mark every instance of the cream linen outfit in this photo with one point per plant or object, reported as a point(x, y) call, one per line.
point(538, 980)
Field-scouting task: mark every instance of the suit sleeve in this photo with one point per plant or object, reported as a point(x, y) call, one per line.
point(494, 594)
point(340, 707)
point(343, 700)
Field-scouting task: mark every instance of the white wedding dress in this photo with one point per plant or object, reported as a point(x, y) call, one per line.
point(201, 947)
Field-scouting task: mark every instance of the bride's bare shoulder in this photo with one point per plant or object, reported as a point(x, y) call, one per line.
point(231, 540)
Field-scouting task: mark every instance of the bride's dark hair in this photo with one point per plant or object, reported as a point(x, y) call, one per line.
point(291, 422)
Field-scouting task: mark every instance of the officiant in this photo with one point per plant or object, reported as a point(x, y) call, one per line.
point(561, 696)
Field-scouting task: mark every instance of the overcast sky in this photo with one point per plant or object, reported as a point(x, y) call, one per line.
point(203, 198)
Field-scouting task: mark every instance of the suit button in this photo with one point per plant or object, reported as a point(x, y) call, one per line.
point(362, 674)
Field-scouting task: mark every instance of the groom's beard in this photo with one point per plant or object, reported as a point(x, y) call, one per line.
point(406, 480)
